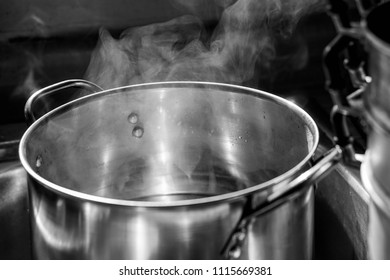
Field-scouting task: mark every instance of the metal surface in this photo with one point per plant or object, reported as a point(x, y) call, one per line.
point(169, 169)
point(379, 154)
point(379, 211)
point(340, 214)
point(282, 194)
point(15, 242)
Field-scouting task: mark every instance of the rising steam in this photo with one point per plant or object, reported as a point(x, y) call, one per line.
point(181, 49)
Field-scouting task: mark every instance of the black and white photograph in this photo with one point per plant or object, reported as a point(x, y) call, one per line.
point(194, 138)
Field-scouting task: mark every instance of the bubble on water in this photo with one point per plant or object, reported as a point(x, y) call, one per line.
point(138, 132)
point(38, 162)
point(132, 118)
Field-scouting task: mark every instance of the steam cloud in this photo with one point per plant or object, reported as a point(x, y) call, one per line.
point(181, 49)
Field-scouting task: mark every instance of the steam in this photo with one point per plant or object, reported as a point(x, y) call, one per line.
point(181, 49)
point(30, 70)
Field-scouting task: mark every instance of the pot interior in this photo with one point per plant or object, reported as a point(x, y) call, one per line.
point(169, 141)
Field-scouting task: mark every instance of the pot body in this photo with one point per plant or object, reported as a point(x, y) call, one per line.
point(379, 154)
point(376, 179)
point(165, 171)
point(379, 213)
point(64, 228)
point(377, 97)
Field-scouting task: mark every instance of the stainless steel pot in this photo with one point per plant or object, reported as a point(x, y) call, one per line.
point(175, 170)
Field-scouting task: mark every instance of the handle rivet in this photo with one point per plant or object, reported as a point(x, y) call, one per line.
point(138, 131)
point(133, 118)
point(235, 252)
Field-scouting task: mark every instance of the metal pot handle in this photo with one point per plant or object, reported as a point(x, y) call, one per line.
point(285, 191)
point(76, 83)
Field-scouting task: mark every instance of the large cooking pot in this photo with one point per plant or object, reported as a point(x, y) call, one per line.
point(174, 170)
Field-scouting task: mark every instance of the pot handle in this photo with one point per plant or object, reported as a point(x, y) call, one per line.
point(52, 89)
point(281, 193)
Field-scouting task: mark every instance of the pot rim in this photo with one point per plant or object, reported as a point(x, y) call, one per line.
point(286, 176)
